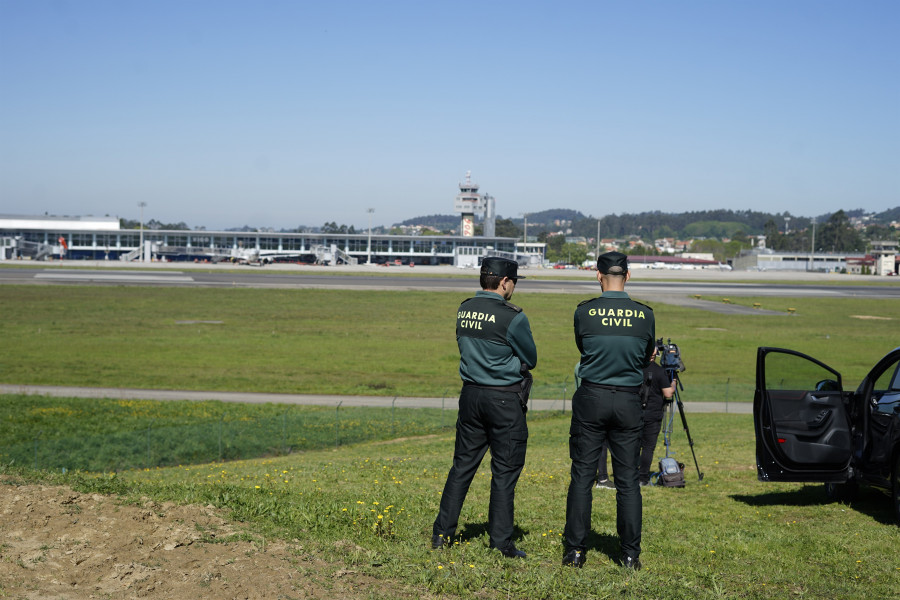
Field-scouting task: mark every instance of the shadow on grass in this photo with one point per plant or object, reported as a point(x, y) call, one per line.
point(602, 543)
point(869, 502)
point(473, 531)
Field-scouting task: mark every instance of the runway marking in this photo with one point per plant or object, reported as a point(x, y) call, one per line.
point(146, 277)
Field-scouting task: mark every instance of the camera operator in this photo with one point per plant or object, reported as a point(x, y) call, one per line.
point(660, 392)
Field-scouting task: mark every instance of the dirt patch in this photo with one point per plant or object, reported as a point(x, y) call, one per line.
point(58, 543)
point(871, 317)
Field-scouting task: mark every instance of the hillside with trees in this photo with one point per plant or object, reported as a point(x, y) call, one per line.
point(719, 224)
point(723, 233)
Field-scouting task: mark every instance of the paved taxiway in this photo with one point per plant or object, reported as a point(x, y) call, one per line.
point(448, 402)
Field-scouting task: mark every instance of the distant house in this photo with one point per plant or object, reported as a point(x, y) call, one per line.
point(576, 239)
point(860, 265)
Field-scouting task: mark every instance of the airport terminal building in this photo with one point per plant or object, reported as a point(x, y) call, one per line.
point(881, 259)
point(101, 238)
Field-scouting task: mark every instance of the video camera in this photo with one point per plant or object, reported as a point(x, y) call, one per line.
point(669, 356)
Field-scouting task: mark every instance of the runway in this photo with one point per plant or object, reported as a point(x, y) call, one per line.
point(688, 288)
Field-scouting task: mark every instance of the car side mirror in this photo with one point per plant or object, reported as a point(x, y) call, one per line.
point(828, 385)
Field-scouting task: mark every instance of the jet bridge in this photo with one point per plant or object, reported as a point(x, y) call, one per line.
point(331, 255)
point(13, 248)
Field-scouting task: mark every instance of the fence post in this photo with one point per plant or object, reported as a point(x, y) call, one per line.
point(393, 402)
point(337, 438)
point(221, 425)
point(40, 433)
point(148, 445)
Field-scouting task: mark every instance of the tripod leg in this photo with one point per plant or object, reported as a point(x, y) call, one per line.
point(688, 432)
point(668, 419)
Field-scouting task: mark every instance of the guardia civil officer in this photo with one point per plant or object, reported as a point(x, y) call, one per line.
point(615, 336)
point(496, 354)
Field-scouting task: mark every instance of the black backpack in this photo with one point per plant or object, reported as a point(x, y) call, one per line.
point(671, 473)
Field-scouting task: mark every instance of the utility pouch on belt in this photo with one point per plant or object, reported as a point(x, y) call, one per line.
point(527, 381)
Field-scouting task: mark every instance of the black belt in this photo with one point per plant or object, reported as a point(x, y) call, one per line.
point(516, 387)
point(633, 389)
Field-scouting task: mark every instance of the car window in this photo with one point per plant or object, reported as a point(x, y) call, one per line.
point(889, 380)
point(886, 390)
point(790, 372)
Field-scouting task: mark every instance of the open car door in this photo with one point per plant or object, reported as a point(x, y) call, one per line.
point(800, 417)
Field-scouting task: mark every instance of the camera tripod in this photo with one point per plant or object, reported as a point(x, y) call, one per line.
point(669, 417)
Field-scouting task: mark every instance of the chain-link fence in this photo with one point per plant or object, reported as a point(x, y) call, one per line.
point(157, 443)
point(223, 439)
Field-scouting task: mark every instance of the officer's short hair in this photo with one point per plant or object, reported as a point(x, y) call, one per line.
point(489, 282)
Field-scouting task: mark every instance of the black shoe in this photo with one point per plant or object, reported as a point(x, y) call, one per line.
point(574, 558)
point(605, 484)
point(512, 552)
point(439, 541)
point(630, 562)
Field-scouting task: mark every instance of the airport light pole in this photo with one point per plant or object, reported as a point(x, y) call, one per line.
point(142, 205)
point(812, 246)
point(369, 246)
point(524, 236)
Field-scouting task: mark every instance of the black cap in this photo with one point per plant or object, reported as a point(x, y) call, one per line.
point(501, 267)
point(612, 263)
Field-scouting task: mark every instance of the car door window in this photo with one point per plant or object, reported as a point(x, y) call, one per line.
point(886, 389)
point(790, 372)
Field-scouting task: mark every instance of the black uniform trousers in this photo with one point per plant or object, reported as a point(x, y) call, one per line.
point(488, 418)
point(649, 436)
point(615, 417)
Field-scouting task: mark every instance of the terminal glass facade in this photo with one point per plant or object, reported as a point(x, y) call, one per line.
point(215, 245)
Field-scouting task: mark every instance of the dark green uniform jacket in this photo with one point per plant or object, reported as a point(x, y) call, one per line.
point(615, 335)
point(495, 341)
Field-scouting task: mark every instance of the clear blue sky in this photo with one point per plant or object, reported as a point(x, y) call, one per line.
point(222, 113)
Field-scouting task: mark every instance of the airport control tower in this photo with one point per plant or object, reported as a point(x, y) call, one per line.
point(469, 203)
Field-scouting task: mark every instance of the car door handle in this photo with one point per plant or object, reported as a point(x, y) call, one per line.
point(823, 401)
point(820, 419)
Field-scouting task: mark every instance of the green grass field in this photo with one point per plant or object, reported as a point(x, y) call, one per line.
point(369, 505)
point(107, 435)
point(381, 343)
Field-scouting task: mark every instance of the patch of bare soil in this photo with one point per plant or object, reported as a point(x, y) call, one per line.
point(58, 543)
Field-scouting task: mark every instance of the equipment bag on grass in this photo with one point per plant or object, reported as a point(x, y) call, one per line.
point(671, 473)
